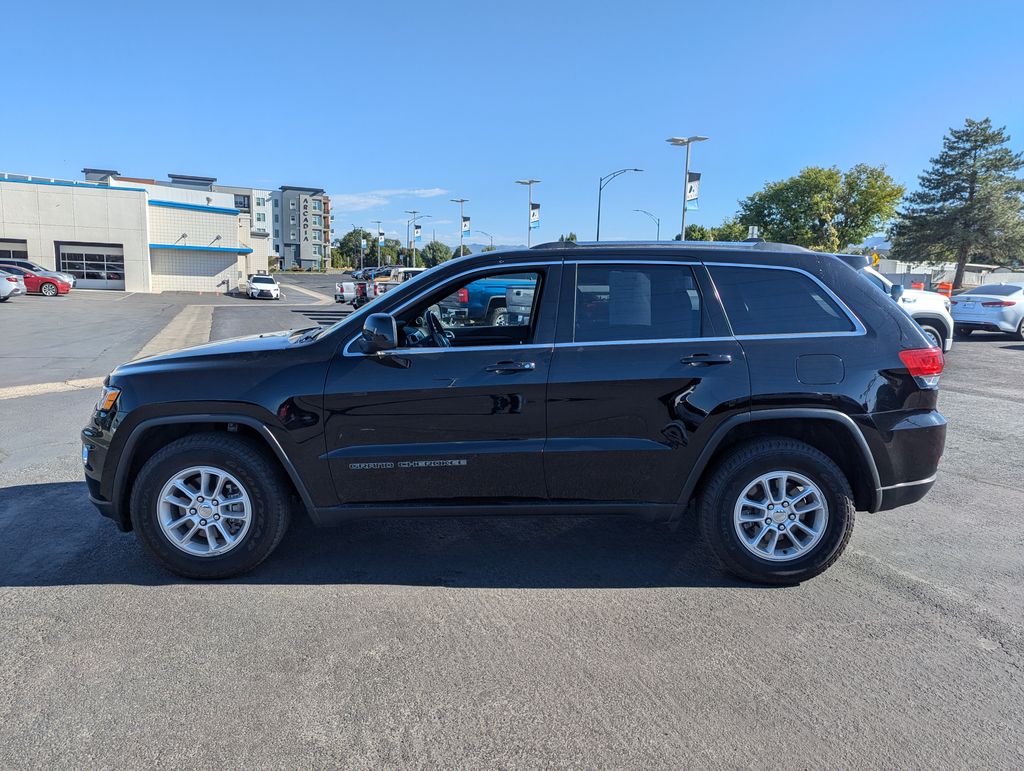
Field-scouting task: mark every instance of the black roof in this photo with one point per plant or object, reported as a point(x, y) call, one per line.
point(752, 245)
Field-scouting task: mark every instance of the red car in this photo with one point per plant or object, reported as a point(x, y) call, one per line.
point(50, 286)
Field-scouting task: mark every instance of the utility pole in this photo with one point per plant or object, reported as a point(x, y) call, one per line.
point(415, 216)
point(461, 202)
point(529, 212)
point(485, 233)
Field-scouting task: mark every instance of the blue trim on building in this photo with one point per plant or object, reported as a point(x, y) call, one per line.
point(192, 206)
point(185, 247)
point(87, 185)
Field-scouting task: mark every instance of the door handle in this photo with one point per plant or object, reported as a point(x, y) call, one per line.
point(706, 359)
point(504, 367)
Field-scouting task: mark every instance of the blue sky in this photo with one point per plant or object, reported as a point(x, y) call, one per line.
point(392, 106)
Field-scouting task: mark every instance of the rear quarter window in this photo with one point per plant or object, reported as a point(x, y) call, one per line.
point(769, 301)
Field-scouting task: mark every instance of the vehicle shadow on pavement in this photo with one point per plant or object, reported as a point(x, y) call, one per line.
point(50, 535)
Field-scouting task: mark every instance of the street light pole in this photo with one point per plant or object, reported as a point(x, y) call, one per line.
point(485, 233)
point(376, 237)
point(529, 212)
point(657, 221)
point(359, 231)
point(685, 142)
point(600, 187)
point(415, 216)
point(461, 202)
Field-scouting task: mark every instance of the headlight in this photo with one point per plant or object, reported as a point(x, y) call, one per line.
point(108, 395)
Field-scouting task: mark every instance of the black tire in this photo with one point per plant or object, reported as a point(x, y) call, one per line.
point(932, 332)
point(5, 299)
point(734, 474)
point(497, 316)
point(961, 332)
point(48, 289)
point(263, 479)
point(1020, 330)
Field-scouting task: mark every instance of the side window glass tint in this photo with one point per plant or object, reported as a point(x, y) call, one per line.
point(763, 301)
point(636, 302)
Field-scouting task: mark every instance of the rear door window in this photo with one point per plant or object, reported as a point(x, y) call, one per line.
point(768, 301)
point(636, 302)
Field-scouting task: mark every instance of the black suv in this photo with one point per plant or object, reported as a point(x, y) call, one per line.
point(774, 388)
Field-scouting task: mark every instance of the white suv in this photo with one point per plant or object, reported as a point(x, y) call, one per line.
point(263, 286)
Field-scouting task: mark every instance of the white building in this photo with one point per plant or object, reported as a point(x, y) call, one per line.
point(140, 235)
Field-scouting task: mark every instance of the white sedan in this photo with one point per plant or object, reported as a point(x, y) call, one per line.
point(264, 286)
point(990, 308)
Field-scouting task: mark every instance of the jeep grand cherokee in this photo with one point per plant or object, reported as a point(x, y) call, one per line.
point(773, 387)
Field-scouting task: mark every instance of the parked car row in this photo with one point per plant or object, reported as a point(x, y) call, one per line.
point(371, 283)
point(16, 279)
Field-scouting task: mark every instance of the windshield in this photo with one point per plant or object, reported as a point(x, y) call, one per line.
point(997, 290)
point(262, 280)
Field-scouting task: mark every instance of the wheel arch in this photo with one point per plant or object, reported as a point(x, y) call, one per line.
point(814, 426)
point(150, 435)
point(937, 321)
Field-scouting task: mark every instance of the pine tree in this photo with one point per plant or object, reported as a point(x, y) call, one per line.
point(969, 204)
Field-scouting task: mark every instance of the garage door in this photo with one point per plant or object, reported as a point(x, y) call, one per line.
point(94, 267)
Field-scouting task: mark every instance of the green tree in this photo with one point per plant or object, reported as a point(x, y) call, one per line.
point(730, 230)
point(347, 247)
point(435, 253)
point(824, 209)
point(489, 249)
point(570, 237)
point(969, 204)
point(461, 251)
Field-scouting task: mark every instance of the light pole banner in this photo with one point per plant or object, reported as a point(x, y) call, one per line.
point(416, 233)
point(380, 239)
point(534, 216)
point(693, 186)
point(362, 244)
point(465, 226)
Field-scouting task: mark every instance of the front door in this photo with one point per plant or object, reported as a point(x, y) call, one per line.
point(641, 374)
point(462, 422)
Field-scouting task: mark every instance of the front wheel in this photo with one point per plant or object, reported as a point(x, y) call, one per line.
point(933, 335)
point(48, 289)
point(210, 506)
point(777, 511)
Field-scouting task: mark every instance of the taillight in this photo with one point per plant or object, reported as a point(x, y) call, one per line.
point(925, 364)
point(999, 304)
point(12, 279)
point(952, 302)
point(463, 295)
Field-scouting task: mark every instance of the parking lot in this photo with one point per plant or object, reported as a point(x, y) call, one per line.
point(577, 642)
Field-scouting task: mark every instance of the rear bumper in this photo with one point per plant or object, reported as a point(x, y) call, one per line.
point(986, 326)
point(905, 493)
point(989, 322)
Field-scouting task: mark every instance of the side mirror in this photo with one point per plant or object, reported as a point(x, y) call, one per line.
point(380, 333)
point(896, 292)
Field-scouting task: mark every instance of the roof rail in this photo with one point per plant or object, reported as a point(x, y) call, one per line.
point(555, 245)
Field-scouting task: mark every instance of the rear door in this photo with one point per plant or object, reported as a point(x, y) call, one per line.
point(644, 369)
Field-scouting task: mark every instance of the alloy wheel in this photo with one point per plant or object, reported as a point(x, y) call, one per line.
point(204, 511)
point(780, 516)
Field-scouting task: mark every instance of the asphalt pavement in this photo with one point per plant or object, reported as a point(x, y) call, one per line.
point(579, 642)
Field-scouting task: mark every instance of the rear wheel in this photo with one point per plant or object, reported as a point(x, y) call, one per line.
point(498, 317)
point(210, 506)
point(49, 289)
point(1020, 329)
point(777, 511)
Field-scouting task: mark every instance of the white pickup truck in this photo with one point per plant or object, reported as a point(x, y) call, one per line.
point(929, 309)
point(358, 293)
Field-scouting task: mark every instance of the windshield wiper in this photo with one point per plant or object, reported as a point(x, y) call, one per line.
point(310, 335)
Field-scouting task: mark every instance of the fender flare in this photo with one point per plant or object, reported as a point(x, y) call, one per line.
point(128, 451)
point(697, 471)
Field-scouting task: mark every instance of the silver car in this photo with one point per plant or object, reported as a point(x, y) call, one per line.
point(38, 269)
point(11, 285)
point(990, 308)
